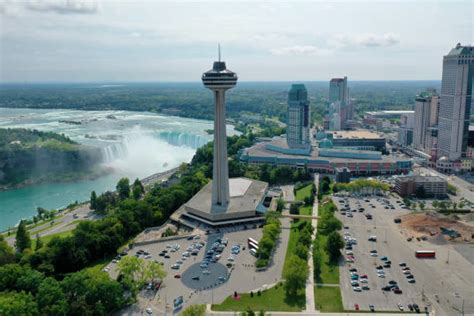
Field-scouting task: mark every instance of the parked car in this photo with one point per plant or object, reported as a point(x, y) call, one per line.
point(371, 307)
point(175, 266)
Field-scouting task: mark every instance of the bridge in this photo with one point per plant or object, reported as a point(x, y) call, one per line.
point(300, 216)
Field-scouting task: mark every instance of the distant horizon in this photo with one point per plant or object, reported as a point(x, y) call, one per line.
point(199, 82)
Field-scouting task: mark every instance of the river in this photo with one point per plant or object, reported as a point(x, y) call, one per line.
point(134, 145)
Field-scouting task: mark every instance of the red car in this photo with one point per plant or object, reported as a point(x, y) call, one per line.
point(177, 276)
point(356, 306)
point(397, 291)
point(364, 276)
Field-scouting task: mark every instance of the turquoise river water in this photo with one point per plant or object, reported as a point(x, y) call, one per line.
point(134, 144)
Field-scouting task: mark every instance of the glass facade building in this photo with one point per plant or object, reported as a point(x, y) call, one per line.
point(298, 125)
point(455, 105)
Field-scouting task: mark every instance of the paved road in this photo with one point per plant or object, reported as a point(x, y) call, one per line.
point(66, 222)
point(310, 304)
point(316, 313)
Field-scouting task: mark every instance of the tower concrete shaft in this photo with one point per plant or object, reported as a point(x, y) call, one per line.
point(220, 172)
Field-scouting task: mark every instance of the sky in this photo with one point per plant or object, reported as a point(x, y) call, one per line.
point(144, 40)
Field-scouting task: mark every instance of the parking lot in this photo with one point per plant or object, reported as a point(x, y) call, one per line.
point(200, 283)
point(437, 283)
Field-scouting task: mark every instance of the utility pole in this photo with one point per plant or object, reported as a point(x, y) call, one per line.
point(447, 260)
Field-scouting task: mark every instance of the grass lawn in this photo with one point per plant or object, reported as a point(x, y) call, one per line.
point(329, 272)
point(273, 299)
point(46, 239)
point(292, 242)
point(306, 210)
point(294, 233)
point(303, 192)
point(328, 299)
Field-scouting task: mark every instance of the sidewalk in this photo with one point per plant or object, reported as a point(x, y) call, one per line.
point(310, 304)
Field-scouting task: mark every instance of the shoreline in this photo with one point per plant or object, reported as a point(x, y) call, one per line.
point(147, 181)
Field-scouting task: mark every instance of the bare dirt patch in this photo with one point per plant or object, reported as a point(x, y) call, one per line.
point(430, 225)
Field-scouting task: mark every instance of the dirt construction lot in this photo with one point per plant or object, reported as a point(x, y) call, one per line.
point(444, 283)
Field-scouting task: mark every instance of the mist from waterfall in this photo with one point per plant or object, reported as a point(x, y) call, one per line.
point(142, 153)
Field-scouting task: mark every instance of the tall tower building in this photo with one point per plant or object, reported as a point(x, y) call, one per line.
point(426, 121)
point(297, 131)
point(338, 90)
point(455, 105)
point(340, 104)
point(219, 79)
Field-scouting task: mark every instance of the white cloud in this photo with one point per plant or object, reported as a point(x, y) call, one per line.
point(366, 40)
point(63, 6)
point(301, 50)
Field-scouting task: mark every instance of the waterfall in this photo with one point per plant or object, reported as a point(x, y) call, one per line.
point(183, 139)
point(120, 150)
point(114, 151)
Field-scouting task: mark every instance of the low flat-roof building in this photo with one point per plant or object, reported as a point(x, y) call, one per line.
point(326, 160)
point(245, 204)
point(433, 186)
point(357, 138)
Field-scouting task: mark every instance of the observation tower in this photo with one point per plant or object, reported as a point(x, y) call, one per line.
point(219, 79)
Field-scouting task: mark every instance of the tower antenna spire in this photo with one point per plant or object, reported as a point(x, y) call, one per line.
point(219, 51)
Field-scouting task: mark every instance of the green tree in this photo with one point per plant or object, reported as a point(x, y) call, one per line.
point(41, 212)
point(137, 271)
point(295, 275)
point(39, 243)
point(301, 251)
point(137, 189)
point(294, 208)
point(17, 303)
point(421, 205)
point(123, 188)
point(7, 254)
point(195, 310)
point(51, 299)
point(23, 240)
point(331, 224)
point(280, 205)
point(334, 245)
point(93, 200)
point(317, 263)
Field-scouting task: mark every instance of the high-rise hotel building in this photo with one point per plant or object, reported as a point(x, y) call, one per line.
point(425, 132)
point(298, 127)
point(455, 105)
